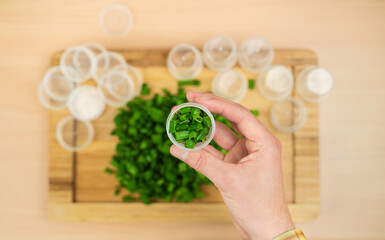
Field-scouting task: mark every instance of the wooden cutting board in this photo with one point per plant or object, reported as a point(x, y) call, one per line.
point(80, 190)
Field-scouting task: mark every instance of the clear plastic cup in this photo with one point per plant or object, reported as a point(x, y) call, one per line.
point(314, 83)
point(134, 74)
point(276, 82)
point(184, 62)
point(85, 103)
point(116, 88)
point(116, 20)
point(231, 85)
point(73, 134)
point(288, 115)
point(96, 48)
point(48, 101)
point(255, 54)
point(56, 84)
point(220, 53)
point(114, 60)
point(77, 63)
point(199, 145)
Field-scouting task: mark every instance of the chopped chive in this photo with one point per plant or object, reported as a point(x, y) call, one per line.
point(145, 89)
point(192, 134)
point(251, 83)
point(195, 111)
point(185, 110)
point(181, 135)
point(172, 126)
point(207, 121)
point(182, 126)
point(197, 118)
point(189, 144)
point(193, 82)
point(255, 112)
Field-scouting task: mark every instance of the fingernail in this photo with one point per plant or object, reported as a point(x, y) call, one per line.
point(202, 98)
point(179, 153)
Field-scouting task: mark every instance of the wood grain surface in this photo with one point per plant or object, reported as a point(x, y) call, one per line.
point(348, 37)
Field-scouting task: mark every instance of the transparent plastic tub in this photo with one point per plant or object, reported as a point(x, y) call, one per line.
point(288, 115)
point(73, 134)
point(231, 85)
point(255, 54)
point(314, 83)
point(184, 62)
point(220, 53)
point(199, 145)
point(49, 102)
point(276, 82)
point(78, 63)
point(134, 74)
point(107, 61)
point(116, 20)
point(56, 84)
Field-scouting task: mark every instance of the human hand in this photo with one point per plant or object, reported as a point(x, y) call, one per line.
point(249, 177)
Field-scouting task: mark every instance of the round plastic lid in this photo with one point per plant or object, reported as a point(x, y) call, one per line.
point(115, 20)
point(85, 103)
point(199, 145)
point(231, 85)
point(77, 63)
point(107, 61)
point(116, 88)
point(49, 102)
point(134, 74)
point(288, 115)
point(73, 134)
point(56, 84)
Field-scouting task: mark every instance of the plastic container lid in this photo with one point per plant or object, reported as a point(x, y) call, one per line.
point(77, 63)
point(199, 145)
point(288, 115)
point(184, 62)
point(276, 82)
point(115, 20)
point(85, 103)
point(107, 61)
point(255, 54)
point(73, 134)
point(134, 74)
point(116, 88)
point(231, 85)
point(56, 84)
point(49, 102)
point(220, 53)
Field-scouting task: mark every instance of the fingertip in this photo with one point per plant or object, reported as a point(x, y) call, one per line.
point(191, 95)
point(178, 153)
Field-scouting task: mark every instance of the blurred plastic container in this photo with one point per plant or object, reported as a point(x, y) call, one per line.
point(231, 85)
point(220, 53)
point(288, 115)
point(116, 20)
point(78, 63)
point(107, 61)
point(56, 84)
point(85, 103)
point(314, 83)
point(255, 54)
point(276, 82)
point(48, 101)
point(198, 145)
point(73, 134)
point(134, 74)
point(184, 62)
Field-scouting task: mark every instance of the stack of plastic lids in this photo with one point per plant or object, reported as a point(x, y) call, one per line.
point(69, 85)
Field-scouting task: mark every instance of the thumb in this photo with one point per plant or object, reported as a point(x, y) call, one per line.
point(204, 162)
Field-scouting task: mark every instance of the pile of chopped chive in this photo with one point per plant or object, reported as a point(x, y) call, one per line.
point(190, 125)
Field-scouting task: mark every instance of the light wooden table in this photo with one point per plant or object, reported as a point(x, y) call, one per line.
point(348, 36)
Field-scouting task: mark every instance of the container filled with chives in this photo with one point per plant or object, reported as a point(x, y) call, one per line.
point(190, 126)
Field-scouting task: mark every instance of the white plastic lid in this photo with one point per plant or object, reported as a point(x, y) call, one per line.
point(288, 115)
point(73, 134)
point(198, 145)
point(184, 62)
point(56, 85)
point(231, 85)
point(134, 74)
point(116, 88)
point(85, 103)
point(49, 102)
point(276, 82)
point(107, 61)
point(116, 20)
point(77, 63)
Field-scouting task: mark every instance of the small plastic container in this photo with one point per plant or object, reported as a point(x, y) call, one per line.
point(96, 48)
point(255, 54)
point(73, 134)
point(116, 20)
point(184, 62)
point(78, 63)
point(288, 115)
point(134, 74)
point(314, 83)
point(107, 61)
point(276, 82)
point(116, 88)
point(220, 53)
point(56, 84)
point(48, 101)
point(85, 103)
point(231, 85)
point(199, 145)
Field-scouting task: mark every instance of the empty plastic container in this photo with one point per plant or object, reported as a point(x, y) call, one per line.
point(134, 74)
point(184, 62)
point(116, 20)
point(73, 134)
point(78, 63)
point(107, 61)
point(220, 53)
point(255, 54)
point(48, 101)
point(56, 84)
point(288, 115)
